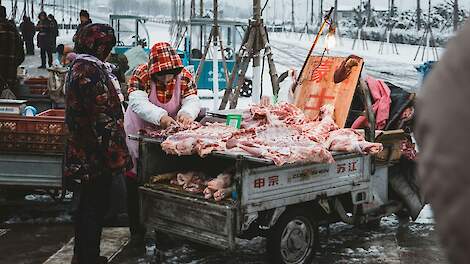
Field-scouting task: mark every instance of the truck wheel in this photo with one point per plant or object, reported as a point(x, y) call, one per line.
point(293, 239)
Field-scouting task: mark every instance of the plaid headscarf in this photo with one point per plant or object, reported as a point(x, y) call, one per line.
point(163, 58)
point(96, 40)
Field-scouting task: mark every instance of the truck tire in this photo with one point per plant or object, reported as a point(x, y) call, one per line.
point(293, 239)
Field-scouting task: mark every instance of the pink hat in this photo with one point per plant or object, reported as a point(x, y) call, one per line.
point(71, 56)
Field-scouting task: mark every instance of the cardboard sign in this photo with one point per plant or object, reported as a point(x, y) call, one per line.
point(318, 87)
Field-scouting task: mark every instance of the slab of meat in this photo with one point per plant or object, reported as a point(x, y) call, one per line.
point(349, 140)
point(201, 141)
point(171, 130)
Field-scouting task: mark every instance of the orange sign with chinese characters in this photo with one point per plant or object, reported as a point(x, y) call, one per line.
point(328, 80)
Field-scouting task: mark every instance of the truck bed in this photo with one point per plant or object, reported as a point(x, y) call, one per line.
point(260, 185)
point(31, 170)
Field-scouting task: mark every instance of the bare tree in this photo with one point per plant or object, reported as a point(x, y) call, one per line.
point(320, 13)
point(418, 14)
point(312, 19)
point(293, 16)
point(335, 16)
point(193, 8)
point(456, 15)
point(201, 9)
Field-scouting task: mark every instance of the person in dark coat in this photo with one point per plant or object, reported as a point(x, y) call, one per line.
point(44, 39)
point(442, 134)
point(28, 31)
point(54, 32)
point(11, 52)
point(84, 20)
point(96, 151)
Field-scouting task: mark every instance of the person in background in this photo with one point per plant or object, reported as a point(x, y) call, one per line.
point(442, 135)
point(28, 31)
point(84, 20)
point(11, 54)
point(161, 93)
point(54, 32)
point(44, 27)
point(96, 150)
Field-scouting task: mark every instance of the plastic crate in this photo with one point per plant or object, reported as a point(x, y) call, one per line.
point(35, 87)
point(45, 133)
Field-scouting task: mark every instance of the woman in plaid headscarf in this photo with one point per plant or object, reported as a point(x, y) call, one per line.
point(96, 147)
point(161, 93)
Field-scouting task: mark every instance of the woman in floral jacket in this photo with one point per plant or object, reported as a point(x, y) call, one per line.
point(96, 147)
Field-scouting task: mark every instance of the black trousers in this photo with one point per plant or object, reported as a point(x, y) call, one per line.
point(47, 51)
point(29, 46)
point(54, 44)
point(93, 201)
point(133, 210)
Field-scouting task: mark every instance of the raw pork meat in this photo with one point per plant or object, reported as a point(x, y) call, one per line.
point(201, 141)
point(281, 144)
point(280, 133)
point(283, 113)
point(215, 187)
point(190, 181)
point(171, 130)
point(349, 140)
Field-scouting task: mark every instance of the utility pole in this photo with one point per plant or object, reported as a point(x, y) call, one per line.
point(456, 15)
point(369, 12)
point(292, 15)
point(392, 6)
point(418, 14)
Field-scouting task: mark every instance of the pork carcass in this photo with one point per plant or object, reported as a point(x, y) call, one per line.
point(349, 140)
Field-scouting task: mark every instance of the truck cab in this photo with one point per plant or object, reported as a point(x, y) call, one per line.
point(130, 32)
